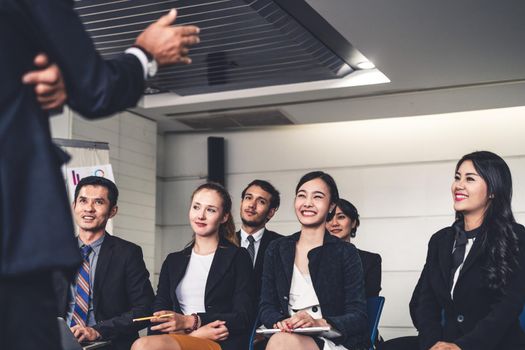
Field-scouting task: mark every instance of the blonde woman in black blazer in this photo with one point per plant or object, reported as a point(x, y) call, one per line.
point(225, 315)
point(473, 290)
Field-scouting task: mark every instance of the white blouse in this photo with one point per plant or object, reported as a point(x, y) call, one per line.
point(303, 298)
point(191, 289)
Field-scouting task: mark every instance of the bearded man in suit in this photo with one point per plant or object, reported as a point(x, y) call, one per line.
point(259, 203)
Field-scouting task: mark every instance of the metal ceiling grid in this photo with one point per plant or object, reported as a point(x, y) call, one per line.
point(244, 44)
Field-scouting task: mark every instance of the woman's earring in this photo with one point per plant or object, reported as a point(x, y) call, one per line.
point(491, 196)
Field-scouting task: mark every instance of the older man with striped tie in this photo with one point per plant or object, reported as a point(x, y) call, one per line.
point(112, 286)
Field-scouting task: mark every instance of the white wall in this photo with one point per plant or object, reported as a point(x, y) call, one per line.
point(133, 155)
point(396, 171)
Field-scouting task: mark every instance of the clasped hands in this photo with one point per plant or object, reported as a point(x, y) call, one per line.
point(178, 323)
point(441, 345)
point(300, 320)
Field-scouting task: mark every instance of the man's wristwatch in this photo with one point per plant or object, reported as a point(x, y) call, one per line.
point(152, 65)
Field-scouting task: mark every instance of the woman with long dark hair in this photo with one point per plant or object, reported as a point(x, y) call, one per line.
point(205, 294)
point(344, 224)
point(473, 283)
point(312, 278)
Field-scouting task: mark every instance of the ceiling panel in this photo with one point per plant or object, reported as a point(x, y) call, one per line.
point(244, 44)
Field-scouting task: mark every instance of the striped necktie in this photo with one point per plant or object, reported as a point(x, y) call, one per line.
point(251, 248)
point(80, 312)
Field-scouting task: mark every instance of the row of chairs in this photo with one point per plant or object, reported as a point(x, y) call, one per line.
point(374, 308)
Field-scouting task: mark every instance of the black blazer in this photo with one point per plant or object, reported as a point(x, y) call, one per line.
point(414, 301)
point(32, 189)
point(267, 237)
point(337, 276)
point(121, 292)
point(477, 318)
point(229, 294)
point(372, 272)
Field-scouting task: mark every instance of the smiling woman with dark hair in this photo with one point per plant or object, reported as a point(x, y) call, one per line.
point(344, 225)
point(312, 278)
point(473, 283)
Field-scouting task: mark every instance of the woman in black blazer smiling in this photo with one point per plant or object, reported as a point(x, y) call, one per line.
point(473, 282)
point(206, 289)
point(313, 278)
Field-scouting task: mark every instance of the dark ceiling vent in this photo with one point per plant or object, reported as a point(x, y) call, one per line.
point(244, 43)
point(236, 120)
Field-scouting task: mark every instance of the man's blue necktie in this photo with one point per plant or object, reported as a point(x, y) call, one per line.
point(80, 312)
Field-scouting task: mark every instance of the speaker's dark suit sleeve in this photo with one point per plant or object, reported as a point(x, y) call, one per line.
point(95, 86)
point(125, 293)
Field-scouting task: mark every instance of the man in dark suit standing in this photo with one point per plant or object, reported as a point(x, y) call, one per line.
point(102, 303)
point(35, 220)
point(259, 202)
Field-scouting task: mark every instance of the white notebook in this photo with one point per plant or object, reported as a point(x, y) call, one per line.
point(326, 332)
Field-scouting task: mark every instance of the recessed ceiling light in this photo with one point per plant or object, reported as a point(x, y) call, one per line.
point(365, 65)
point(150, 90)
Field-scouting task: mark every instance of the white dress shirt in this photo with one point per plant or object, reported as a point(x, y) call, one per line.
point(257, 236)
point(141, 56)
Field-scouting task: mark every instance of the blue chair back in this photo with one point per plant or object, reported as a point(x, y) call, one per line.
point(256, 325)
point(374, 307)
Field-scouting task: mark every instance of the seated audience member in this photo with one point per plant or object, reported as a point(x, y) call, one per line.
point(344, 225)
point(260, 201)
point(473, 285)
point(312, 278)
point(206, 289)
point(112, 286)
